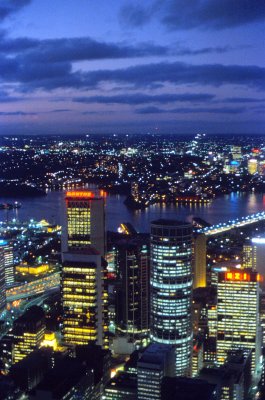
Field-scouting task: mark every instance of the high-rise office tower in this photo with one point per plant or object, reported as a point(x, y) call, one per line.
point(83, 282)
point(84, 221)
point(238, 320)
point(2, 281)
point(197, 358)
point(132, 294)
point(199, 261)
point(84, 297)
point(254, 254)
point(249, 255)
point(28, 332)
point(171, 289)
point(9, 262)
point(252, 166)
point(262, 316)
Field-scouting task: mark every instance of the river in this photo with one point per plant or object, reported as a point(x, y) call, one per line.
point(223, 208)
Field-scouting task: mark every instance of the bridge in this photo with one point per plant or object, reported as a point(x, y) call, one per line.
point(232, 224)
point(34, 288)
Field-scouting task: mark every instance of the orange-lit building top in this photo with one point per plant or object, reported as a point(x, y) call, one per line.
point(77, 194)
point(242, 276)
point(80, 194)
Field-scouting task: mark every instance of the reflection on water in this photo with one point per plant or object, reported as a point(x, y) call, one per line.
point(221, 209)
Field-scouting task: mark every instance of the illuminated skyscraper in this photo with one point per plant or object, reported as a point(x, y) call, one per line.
point(171, 289)
point(2, 281)
point(132, 298)
point(84, 221)
point(252, 166)
point(9, 262)
point(249, 256)
point(83, 281)
point(84, 297)
point(254, 254)
point(28, 332)
point(238, 320)
point(199, 261)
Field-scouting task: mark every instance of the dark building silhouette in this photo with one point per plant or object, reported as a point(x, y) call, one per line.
point(187, 389)
point(132, 290)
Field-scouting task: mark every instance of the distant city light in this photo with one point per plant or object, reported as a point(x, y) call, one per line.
point(258, 240)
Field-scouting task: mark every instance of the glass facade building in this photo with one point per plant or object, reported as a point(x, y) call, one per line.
point(199, 261)
point(171, 289)
point(83, 279)
point(249, 256)
point(132, 293)
point(238, 319)
point(2, 281)
point(84, 298)
point(84, 221)
point(7, 250)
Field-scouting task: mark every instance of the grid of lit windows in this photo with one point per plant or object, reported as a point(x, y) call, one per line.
point(149, 383)
point(132, 294)
point(28, 330)
point(238, 323)
point(26, 343)
point(249, 256)
point(84, 221)
point(84, 301)
point(2, 281)
point(171, 289)
point(78, 223)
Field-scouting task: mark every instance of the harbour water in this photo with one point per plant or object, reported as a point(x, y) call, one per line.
point(223, 208)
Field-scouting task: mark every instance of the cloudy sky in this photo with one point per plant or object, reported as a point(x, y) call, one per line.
point(178, 66)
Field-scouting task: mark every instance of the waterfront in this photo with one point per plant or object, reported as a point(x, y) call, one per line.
point(222, 209)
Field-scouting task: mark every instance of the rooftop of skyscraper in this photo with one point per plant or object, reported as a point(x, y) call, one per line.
point(155, 353)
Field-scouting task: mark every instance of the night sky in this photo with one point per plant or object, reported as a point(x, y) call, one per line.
point(114, 66)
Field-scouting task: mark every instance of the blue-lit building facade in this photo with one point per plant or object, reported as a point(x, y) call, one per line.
point(2, 281)
point(7, 250)
point(171, 289)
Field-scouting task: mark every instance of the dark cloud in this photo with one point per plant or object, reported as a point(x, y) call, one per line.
point(78, 49)
point(213, 14)
point(38, 75)
point(101, 112)
point(88, 49)
point(141, 98)
point(204, 14)
point(151, 110)
point(8, 7)
point(190, 110)
point(181, 73)
point(75, 49)
point(16, 113)
point(60, 110)
point(16, 45)
point(185, 51)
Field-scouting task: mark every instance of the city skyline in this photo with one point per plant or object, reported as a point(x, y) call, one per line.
point(169, 67)
point(132, 267)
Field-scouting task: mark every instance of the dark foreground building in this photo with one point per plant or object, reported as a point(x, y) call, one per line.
point(187, 389)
